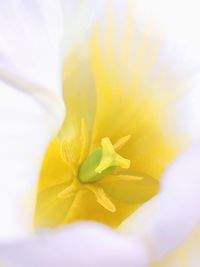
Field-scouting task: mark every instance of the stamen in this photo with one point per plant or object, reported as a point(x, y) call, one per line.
point(123, 177)
point(102, 198)
point(65, 158)
point(63, 153)
point(69, 191)
point(121, 142)
point(67, 151)
point(84, 141)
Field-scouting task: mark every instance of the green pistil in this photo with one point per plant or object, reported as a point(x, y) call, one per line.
point(103, 161)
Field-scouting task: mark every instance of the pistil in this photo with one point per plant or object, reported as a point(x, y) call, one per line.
point(103, 161)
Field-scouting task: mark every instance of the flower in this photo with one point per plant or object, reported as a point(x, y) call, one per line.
point(115, 143)
point(30, 93)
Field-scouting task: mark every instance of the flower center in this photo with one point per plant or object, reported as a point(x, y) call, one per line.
point(103, 161)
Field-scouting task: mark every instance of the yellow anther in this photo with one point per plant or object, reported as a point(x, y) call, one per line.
point(110, 158)
point(67, 152)
point(67, 156)
point(121, 142)
point(84, 141)
point(123, 177)
point(102, 198)
point(69, 191)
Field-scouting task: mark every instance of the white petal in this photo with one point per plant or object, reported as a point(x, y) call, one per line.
point(171, 29)
point(82, 245)
point(176, 21)
point(179, 210)
point(31, 108)
point(81, 14)
point(187, 255)
point(31, 34)
point(167, 220)
point(189, 110)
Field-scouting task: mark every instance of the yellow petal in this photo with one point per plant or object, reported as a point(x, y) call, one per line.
point(130, 189)
point(79, 96)
point(85, 207)
point(50, 209)
point(54, 169)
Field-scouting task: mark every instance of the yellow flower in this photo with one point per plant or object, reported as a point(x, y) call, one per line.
point(114, 144)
